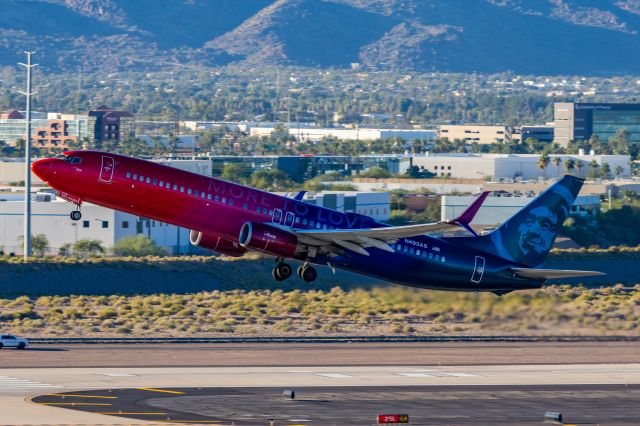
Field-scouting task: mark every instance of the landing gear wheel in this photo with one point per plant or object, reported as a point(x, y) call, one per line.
point(75, 215)
point(284, 270)
point(308, 273)
point(276, 275)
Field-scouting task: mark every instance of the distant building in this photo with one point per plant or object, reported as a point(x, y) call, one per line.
point(110, 125)
point(470, 134)
point(542, 133)
point(51, 218)
point(578, 121)
point(497, 209)
point(57, 130)
point(513, 166)
point(310, 133)
point(374, 204)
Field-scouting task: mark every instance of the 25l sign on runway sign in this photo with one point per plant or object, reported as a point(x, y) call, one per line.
point(393, 418)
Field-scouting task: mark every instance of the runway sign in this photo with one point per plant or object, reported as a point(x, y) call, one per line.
point(393, 418)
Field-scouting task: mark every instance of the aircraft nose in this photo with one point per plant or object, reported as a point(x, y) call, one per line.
point(43, 168)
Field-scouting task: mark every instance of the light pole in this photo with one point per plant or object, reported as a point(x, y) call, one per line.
point(27, 161)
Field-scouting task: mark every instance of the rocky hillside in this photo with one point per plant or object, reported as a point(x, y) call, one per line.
point(593, 37)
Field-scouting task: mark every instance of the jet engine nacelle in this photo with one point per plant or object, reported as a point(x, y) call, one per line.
point(269, 239)
point(216, 243)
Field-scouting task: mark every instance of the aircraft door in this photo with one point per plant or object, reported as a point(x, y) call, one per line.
point(478, 270)
point(106, 170)
point(289, 218)
point(277, 216)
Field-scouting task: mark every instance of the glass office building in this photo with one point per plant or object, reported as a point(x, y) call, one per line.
point(579, 121)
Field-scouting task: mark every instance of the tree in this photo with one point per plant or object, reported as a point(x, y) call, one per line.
point(569, 165)
point(619, 170)
point(556, 162)
point(619, 143)
point(543, 162)
point(594, 142)
point(65, 250)
point(87, 247)
point(579, 167)
point(39, 244)
point(605, 171)
point(593, 169)
point(273, 179)
point(376, 173)
point(137, 246)
point(236, 172)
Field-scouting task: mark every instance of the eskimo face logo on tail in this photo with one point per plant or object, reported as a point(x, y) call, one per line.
point(528, 236)
point(538, 231)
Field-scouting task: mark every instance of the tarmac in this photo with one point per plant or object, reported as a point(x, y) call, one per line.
point(327, 393)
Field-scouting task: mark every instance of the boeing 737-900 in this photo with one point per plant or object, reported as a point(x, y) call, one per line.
point(232, 219)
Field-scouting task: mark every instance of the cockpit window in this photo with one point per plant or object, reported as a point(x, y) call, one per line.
point(70, 159)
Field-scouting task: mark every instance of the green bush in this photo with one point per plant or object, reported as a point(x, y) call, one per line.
point(138, 246)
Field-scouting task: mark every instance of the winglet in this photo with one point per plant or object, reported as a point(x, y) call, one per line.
point(467, 216)
point(300, 196)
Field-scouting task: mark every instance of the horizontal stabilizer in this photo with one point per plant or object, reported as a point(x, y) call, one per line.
point(548, 274)
point(467, 216)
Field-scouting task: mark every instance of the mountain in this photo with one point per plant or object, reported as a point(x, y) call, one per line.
point(592, 37)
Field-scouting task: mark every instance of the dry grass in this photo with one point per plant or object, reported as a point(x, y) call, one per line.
point(556, 310)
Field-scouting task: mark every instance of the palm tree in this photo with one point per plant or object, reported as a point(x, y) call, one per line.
point(593, 167)
point(619, 170)
point(579, 166)
point(569, 165)
point(605, 171)
point(556, 162)
point(543, 162)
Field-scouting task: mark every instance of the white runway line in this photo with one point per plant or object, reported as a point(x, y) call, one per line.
point(10, 384)
point(333, 375)
point(427, 373)
point(117, 374)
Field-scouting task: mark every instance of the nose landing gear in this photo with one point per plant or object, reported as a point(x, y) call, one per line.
point(75, 215)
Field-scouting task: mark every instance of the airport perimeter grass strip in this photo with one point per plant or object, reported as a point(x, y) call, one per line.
point(327, 339)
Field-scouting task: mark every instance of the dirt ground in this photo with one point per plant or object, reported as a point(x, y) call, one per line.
point(308, 354)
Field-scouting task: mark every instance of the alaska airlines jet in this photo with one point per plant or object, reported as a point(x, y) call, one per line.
point(232, 219)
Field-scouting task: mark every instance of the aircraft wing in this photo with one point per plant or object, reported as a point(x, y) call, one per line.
point(358, 240)
point(547, 274)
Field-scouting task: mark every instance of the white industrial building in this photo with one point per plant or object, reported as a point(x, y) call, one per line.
point(479, 134)
point(316, 133)
point(497, 209)
point(512, 166)
point(51, 218)
point(374, 204)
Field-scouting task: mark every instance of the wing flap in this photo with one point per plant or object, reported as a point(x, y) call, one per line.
point(358, 239)
point(548, 274)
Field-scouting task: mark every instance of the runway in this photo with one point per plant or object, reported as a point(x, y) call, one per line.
point(328, 354)
point(465, 395)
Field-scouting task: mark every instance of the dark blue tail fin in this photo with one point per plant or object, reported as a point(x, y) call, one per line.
point(527, 237)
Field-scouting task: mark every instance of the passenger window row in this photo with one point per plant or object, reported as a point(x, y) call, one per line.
point(178, 188)
point(418, 252)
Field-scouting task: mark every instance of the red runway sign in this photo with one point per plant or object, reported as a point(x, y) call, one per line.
point(393, 418)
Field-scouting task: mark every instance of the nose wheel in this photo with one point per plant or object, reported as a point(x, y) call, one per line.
point(75, 215)
point(307, 273)
point(282, 271)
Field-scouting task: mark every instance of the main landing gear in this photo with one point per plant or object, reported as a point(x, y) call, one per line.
point(283, 270)
point(307, 272)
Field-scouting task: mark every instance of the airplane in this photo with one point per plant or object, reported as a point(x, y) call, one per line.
point(231, 219)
